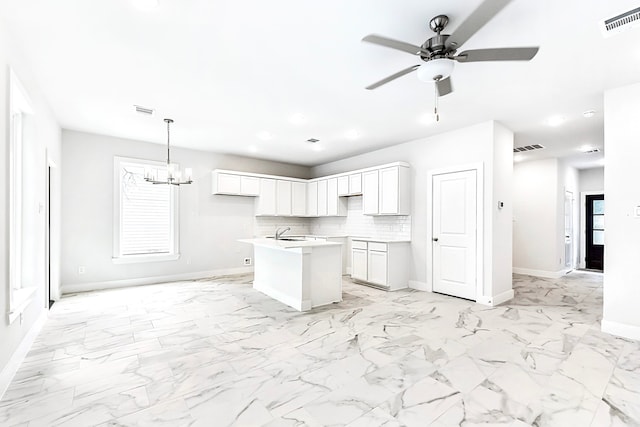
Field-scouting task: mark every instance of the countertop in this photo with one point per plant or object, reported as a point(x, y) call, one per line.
point(288, 244)
point(381, 240)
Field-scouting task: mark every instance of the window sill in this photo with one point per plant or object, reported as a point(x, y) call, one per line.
point(21, 298)
point(134, 259)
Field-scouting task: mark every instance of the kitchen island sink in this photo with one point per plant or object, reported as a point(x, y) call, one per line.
point(299, 273)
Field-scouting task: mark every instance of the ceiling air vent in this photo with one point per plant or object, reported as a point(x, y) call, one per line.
point(312, 140)
point(620, 23)
point(143, 110)
point(528, 148)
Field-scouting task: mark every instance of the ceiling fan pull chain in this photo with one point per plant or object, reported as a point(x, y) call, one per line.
point(435, 108)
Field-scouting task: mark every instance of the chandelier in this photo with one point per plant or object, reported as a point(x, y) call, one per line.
point(174, 175)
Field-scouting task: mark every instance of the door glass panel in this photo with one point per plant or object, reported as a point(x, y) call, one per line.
point(598, 237)
point(598, 222)
point(598, 207)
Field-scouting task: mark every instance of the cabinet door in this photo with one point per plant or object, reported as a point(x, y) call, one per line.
point(283, 192)
point(312, 199)
point(298, 199)
point(355, 184)
point(343, 185)
point(370, 193)
point(322, 198)
point(332, 196)
point(377, 267)
point(267, 198)
point(359, 264)
point(227, 184)
point(389, 190)
point(249, 186)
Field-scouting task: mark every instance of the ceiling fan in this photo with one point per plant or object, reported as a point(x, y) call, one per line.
point(439, 52)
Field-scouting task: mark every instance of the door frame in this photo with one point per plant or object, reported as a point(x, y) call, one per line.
point(583, 225)
point(49, 294)
point(479, 169)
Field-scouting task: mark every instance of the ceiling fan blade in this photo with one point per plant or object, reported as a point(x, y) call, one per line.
point(392, 77)
point(393, 44)
point(444, 86)
point(499, 54)
point(478, 18)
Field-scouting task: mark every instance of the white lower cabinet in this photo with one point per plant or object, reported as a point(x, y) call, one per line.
point(359, 264)
point(379, 263)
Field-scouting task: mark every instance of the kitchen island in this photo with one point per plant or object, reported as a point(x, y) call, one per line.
point(302, 274)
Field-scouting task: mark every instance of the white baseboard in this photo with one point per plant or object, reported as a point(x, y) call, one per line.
point(621, 329)
point(419, 286)
point(540, 273)
point(9, 371)
point(94, 286)
point(496, 299)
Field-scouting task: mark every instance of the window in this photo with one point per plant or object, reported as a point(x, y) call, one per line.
point(145, 214)
point(598, 222)
point(21, 285)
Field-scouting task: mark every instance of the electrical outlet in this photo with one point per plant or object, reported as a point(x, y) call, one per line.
point(247, 261)
point(82, 269)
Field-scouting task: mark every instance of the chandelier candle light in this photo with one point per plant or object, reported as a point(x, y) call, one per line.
point(174, 174)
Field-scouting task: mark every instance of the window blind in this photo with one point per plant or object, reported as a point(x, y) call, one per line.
point(145, 213)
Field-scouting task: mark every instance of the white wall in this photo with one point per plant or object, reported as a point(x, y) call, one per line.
point(488, 143)
point(622, 192)
point(535, 210)
point(568, 180)
point(209, 225)
point(591, 179)
point(42, 136)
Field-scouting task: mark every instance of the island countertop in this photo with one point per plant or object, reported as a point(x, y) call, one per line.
point(288, 244)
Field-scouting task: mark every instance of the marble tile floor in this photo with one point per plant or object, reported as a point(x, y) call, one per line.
point(217, 353)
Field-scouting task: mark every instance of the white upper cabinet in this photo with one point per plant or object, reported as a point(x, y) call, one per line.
point(283, 198)
point(267, 199)
point(312, 198)
point(234, 184)
point(322, 197)
point(298, 198)
point(370, 193)
point(343, 185)
point(355, 184)
point(385, 190)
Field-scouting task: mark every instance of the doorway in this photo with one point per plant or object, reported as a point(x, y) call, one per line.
point(594, 232)
point(568, 230)
point(454, 234)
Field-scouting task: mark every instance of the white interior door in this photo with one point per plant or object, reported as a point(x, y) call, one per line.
point(454, 234)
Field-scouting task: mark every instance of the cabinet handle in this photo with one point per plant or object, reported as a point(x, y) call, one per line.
point(435, 239)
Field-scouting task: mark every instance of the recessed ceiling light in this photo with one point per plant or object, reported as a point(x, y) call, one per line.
point(589, 113)
point(518, 158)
point(298, 119)
point(265, 135)
point(555, 121)
point(427, 119)
point(252, 149)
point(146, 4)
point(352, 134)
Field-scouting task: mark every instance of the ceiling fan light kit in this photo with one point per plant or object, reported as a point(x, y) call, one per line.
point(435, 70)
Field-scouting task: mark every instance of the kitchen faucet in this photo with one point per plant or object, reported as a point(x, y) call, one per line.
point(280, 231)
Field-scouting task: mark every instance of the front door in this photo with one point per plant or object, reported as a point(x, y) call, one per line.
point(454, 234)
point(594, 241)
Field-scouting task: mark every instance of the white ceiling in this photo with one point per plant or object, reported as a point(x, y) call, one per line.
point(227, 70)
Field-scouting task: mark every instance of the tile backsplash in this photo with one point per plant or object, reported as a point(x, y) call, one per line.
point(354, 224)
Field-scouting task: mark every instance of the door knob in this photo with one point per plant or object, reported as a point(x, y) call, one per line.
point(435, 239)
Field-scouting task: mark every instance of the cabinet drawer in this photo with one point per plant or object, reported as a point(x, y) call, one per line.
point(377, 246)
point(358, 244)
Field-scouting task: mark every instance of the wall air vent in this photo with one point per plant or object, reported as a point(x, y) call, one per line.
point(620, 23)
point(528, 148)
point(313, 140)
point(592, 150)
point(144, 110)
